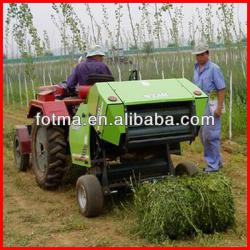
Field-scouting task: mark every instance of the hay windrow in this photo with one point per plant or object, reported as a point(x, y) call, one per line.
point(182, 206)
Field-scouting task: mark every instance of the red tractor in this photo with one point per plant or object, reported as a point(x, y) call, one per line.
point(48, 145)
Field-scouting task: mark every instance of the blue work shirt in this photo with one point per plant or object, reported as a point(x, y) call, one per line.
point(84, 69)
point(210, 78)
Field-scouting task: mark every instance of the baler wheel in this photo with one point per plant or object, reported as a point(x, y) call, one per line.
point(21, 160)
point(48, 155)
point(89, 195)
point(186, 168)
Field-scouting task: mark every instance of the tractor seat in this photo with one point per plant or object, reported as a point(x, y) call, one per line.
point(93, 78)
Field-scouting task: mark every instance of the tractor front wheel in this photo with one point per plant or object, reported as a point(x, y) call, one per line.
point(186, 168)
point(48, 155)
point(89, 195)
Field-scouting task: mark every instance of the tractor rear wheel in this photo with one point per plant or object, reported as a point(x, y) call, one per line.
point(186, 168)
point(21, 160)
point(89, 195)
point(48, 147)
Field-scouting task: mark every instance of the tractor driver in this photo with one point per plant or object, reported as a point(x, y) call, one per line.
point(93, 65)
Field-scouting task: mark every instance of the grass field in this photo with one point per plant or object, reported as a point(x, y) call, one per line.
point(34, 217)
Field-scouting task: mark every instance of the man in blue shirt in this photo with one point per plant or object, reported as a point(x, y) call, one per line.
point(209, 78)
point(93, 65)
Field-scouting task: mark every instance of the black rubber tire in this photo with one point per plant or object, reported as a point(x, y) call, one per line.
point(93, 193)
point(186, 168)
point(21, 160)
point(55, 161)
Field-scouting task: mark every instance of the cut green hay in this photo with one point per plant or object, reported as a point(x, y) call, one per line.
point(180, 207)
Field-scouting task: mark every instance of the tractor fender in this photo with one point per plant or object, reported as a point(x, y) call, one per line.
point(49, 109)
point(23, 135)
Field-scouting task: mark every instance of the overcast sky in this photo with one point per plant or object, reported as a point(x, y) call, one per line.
point(42, 12)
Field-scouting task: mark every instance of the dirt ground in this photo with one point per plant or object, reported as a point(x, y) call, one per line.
point(34, 217)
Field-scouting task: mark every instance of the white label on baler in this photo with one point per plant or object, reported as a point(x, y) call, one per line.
point(145, 83)
point(155, 95)
point(75, 127)
point(85, 140)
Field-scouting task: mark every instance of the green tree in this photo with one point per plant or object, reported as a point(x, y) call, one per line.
point(148, 47)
